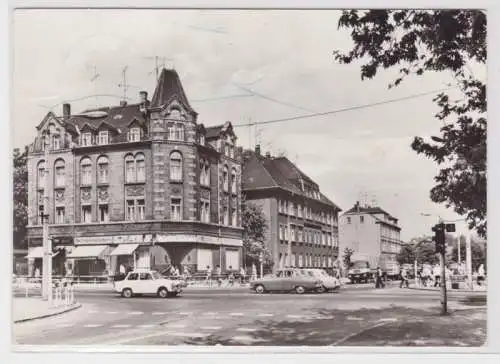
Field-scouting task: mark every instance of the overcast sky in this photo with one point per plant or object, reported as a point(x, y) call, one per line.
point(243, 66)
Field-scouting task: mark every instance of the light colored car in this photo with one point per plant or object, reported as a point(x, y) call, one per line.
point(287, 280)
point(147, 282)
point(328, 282)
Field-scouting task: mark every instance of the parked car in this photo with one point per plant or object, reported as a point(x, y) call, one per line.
point(150, 282)
point(288, 280)
point(360, 272)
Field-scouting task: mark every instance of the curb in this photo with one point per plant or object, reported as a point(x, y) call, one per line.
point(74, 307)
point(447, 289)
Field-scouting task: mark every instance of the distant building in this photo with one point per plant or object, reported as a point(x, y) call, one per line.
point(139, 185)
point(372, 233)
point(302, 222)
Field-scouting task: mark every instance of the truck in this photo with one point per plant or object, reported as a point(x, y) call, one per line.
point(360, 272)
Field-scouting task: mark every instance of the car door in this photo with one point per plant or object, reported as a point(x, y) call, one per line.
point(287, 283)
point(274, 283)
point(146, 283)
point(131, 282)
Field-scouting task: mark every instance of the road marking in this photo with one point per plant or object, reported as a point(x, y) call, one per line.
point(176, 326)
point(185, 313)
point(147, 326)
point(111, 312)
point(64, 325)
point(211, 327)
point(93, 311)
point(294, 316)
point(391, 319)
point(246, 329)
point(244, 339)
point(266, 314)
point(92, 325)
point(352, 318)
point(210, 313)
point(236, 314)
point(159, 313)
point(189, 334)
point(135, 313)
point(120, 326)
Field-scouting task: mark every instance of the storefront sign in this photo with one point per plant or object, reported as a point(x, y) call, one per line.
point(200, 239)
point(94, 240)
point(128, 239)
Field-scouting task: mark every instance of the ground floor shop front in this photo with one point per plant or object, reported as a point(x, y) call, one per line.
point(105, 256)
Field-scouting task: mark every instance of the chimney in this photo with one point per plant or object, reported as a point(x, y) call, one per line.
point(257, 149)
point(66, 110)
point(357, 206)
point(123, 102)
point(143, 96)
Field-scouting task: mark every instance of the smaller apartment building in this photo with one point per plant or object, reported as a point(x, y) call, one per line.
point(373, 235)
point(302, 222)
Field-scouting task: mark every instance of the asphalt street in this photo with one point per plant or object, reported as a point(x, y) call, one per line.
point(227, 317)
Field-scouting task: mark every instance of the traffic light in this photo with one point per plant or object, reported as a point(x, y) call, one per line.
point(439, 235)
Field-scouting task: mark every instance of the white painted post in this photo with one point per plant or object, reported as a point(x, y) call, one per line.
point(468, 259)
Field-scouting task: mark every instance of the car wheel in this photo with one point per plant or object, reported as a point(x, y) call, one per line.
point(260, 289)
point(162, 292)
point(300, 289)
point(127, 293)
point(321, 289)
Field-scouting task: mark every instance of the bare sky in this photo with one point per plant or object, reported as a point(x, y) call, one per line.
point(243, 66)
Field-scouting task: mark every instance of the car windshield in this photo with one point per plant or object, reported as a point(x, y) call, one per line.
point(307, 273)
point(321, 273)
point(360, 264)
point(156, 275)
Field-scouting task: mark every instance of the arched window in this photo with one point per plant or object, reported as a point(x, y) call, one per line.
point(60, 173)
point(102, 169)
point(225, 179)
point(86, 171)
point(140, 167)
point(233, 181)
point(130, 168)
point(41, 174)
point(176, 166)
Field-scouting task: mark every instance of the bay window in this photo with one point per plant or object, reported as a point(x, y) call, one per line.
point(176, 166)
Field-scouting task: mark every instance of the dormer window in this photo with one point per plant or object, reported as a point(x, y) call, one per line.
point(86, 139)
point(103, 137)
point(56, 142)
point(176, 131)
point(134, 135)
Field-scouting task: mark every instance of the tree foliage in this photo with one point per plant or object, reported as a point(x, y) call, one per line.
point(20, 198)
point(419, 41)
point(422, 250)
point(254, 225)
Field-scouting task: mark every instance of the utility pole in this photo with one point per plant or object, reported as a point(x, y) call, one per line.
point(468, 260)
point(439, 239)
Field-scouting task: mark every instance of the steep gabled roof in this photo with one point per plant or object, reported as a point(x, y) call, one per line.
point(168, 88)
point(290, 170)
point(264, 173)
point(372, 210)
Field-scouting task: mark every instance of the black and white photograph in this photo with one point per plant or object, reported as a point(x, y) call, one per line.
point(248, 178)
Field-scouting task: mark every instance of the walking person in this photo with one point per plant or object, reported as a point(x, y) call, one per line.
point(437, 275)
point(404, 279)
point(480, 275)
point(242, 275)
point(378, 278)
point(209, 276)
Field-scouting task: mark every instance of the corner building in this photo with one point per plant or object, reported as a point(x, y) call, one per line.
point(143, 185)
point(302, 222)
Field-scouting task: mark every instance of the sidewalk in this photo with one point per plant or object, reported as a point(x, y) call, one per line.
point(27, 309)
point(476, 289)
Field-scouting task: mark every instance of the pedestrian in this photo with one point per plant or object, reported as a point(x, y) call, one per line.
point(378, 278)
point(404, 278)
point(122, 271)
point(437, 275)
point(209, 275)
point(242, 275)
point(230, 278)
point(219, 275)
point(480, 275)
